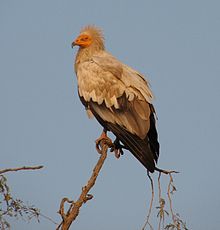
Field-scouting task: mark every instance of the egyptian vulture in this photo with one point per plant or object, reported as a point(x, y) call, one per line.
point(117, 96)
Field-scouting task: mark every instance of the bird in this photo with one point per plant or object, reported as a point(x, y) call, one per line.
point(118, 96)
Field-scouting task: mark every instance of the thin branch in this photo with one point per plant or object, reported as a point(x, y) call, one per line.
point(74, 208)
point(48, 218)
point(21, 168)
point(159, 187)
point(169, 197)
point(165, 171)
point(160, 197)
point(151, 203)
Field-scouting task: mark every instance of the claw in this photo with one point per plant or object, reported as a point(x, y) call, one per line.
point(101, 138)
point(117, 148)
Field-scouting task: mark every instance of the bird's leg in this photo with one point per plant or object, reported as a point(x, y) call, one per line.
point(117, 148)
point(105, 138)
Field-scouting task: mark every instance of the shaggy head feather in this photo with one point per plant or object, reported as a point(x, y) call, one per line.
point(96, 34)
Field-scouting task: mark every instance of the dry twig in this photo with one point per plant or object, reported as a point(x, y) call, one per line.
point(73, 211)
point(169, 197)
point(165, 171)
point(160, 199)
point(21, 168)
point(162, 211)
point(151, 203)
point(169, 192)
point(11, 207)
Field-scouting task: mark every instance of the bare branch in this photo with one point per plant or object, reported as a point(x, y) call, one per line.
point(151, 203)
point(160, 198)
point(74, 208)
point(165, 171)
point(170, 200)
point(71, 213)
point(48, 218)
point(21, 168)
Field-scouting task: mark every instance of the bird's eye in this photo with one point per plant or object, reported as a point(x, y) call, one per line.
point(84, 38)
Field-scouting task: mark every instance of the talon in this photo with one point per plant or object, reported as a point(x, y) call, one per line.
point(117, 153)
point(105, 138)
point(97, 147)
point(117, 148)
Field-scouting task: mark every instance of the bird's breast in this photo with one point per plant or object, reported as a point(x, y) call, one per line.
point(98, 85)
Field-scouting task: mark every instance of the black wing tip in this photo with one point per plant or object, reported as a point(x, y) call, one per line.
point(149, 165)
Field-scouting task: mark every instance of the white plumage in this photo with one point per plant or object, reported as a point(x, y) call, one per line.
point(118, 96)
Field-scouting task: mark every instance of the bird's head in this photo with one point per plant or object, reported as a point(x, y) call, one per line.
point(89, 36)
point(83, 40)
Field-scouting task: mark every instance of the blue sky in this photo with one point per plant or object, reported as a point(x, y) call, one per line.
point(175, 44)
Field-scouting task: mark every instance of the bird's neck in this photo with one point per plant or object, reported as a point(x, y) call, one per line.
point(85, 54)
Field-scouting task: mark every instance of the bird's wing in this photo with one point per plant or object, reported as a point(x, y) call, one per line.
point(132, 79)
point(119, 98)
point(125, 94)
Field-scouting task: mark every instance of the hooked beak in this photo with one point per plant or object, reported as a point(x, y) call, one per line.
point(73, 44)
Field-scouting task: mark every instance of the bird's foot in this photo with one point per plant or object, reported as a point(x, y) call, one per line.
point(117, 148)
point(104, 138)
